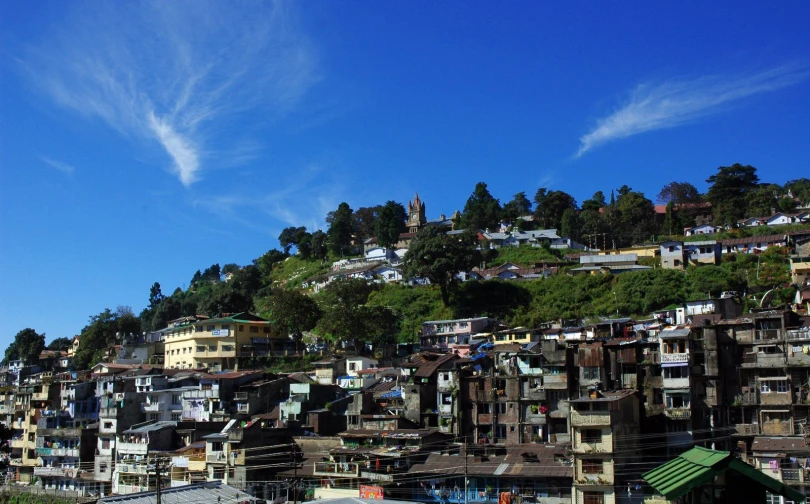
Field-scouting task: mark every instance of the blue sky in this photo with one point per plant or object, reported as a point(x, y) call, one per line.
point(141, 141)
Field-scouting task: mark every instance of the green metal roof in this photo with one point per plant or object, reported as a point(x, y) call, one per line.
point(700, 465)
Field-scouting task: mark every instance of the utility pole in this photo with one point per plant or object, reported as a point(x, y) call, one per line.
point(295, 475)
point(464, 445)
point(157, 476)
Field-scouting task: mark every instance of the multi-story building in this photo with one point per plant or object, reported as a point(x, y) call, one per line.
point(444, 334)
point(132, 472)
point(604, 430)
point(216, 343)
point(65, 447)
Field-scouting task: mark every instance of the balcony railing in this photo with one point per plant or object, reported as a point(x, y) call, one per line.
point(240, 396)
point(153, 407)
point(60, 433)
point(797, 334)
point(588, 418)
point(133, 448)
point(768, 334)
point(201, 394)
point(793, 475)
point(534, 394)
point(746, 429)
point(57, 472)
point(336, 468)
point(555, 381)
point(57, 452)
point(674, 357)
point(216, 457)
point(678, 413)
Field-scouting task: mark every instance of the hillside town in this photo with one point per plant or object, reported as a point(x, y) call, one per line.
point(706, 399)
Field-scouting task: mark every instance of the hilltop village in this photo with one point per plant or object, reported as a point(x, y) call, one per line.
point(324, 389)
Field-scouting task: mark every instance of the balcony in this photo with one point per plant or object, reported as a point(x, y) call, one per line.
point(216, 457)
point(135, 468)
point(375, 476)
point(560, 410)
point(202, 394)
point(590, 418)
point(555, 381)
point(533, 394)
point(56, 472)
point(153, 407)
point(240, 396)
point(676, 383)
point(133, 448)
point(669, 358)
point(57, 452)
point(797, 334)
point(746, 430)
point(60, 433)
point(754, 360)
point(331, 469)
point(792, 475)
point(678, 413)
point(533, 415)
point(768, 335)
point(601, 479)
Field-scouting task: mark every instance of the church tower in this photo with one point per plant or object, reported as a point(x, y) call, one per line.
point(416, 215)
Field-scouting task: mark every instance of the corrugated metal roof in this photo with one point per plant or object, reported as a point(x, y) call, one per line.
point(674, 333)
point(700, 465)
point(212, 492)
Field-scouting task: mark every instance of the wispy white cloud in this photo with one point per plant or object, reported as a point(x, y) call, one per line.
point(671, 103)
point(176, 73)
point(62, 167)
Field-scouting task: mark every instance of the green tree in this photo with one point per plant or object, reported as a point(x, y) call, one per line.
point(266, 261)
point(799, 189)
point(482, 210)
point(27, 346)
point(761, 202)
point(596, 202)
point(569, 224)
point(318, 245)
point(390, 223)
point(365, 222)
point(104, 329)
point(636, 218)
point(155, 295)
point(341, 229)
point(292, 312)
point(550, 206)
point(518, 207)
point(440, 257)
point(230, 268)
point(730, 185)
point(60, 344)
point(346, 316)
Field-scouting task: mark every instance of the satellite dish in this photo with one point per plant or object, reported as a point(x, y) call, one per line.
point(765, 302)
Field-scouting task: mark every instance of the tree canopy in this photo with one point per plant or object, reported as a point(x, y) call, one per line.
point(341, 229)
point(439, 257)
point(390, 223)
point(730, 186)
point(26, 346)
point(482, 210)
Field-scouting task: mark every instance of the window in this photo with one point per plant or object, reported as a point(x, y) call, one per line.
point(209, 328)
point(593, 498)
point(198, 328)
point(266, 330)
point(105, 444)
point(352, 366)
point(241, 328)
point(483, 408)
point(201, 348)
point(500, 431)
point(590, 373)
point(780, 386)
point(175, 417)
point(175, 399)
point(591, 436)
point(591, 467)
point(225, 326)
point(676, 372)
point(108, 425)
point(154, 416)
point(678, 401)
point(254, 329)
point(102, 468)
point(212, 348)
point(227, 348)
point(501, 408)
point(219, 473)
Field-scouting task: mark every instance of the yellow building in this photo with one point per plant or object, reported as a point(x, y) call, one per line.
point(218, 343)
point(519, 335)
point(800, 270)
point(640, 251)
